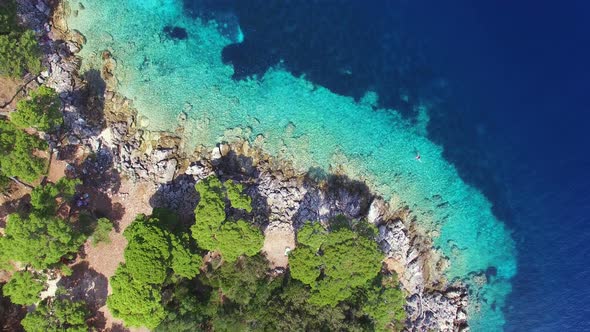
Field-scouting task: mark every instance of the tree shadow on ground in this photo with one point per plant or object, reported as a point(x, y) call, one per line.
point(117, 328)
point(85, 284)
point(100, 181)
point(330, 195)
point(10, 314)
point(93, 94)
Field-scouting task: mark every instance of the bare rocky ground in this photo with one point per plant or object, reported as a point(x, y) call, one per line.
point(128, 170)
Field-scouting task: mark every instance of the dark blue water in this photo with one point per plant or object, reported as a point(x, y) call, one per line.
point(523, 70)
point(509, 84)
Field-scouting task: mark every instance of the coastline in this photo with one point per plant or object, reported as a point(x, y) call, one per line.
point(158, 159)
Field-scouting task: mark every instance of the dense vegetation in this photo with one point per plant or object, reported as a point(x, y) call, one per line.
point(17, 153)
point(40, 111)
point(19, 51)
point(335, 280)
point(57, 315)
point(39, 241)
point(153, 256)
point(24, 287)
point(213, 231)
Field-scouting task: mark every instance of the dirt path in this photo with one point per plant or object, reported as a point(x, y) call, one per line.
point(105, 257)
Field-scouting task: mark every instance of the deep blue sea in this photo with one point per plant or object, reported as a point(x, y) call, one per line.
point(512, 84)
point(521, 71)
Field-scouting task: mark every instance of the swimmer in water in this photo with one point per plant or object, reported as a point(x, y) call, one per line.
point(418, 156)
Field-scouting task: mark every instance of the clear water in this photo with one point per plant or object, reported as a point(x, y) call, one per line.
point(291, 118)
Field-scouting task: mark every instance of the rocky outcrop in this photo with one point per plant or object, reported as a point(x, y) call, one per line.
point(432, 304)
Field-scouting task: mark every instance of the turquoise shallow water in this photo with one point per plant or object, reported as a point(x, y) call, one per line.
point(291, 118)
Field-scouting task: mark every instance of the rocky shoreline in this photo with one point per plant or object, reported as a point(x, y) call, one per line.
point(105, 124)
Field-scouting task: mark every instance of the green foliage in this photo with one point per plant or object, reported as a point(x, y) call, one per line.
point(209, 213)
point(17, 153)
point(184, 263)
point(8, 17)
point(239, 238)
point(57, 315)
point(384, 304)
point(43, 198)
point(24, 288)
point(290, 310)
point(137, 303)
point(152, 253)
point(213, 232)
point(244, 296)
point(312, 235)
point(238, 199)
point(101, 233)
point(347, 260)
point(19, 50)
point(40, 241)
point(304, 265)
point(41, 110)
point(148, 250)
point(243, 280)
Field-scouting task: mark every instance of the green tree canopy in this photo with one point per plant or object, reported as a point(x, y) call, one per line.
point(213, 231)
point(384, 304)
point(44, 198)
point(148, 251)
point(19, 53)
point(41, 110)
point(17, 153)
point(40, 241)
point(347, 260)
point(57, 315)
point(24, 288)
point(152, 250)
point(135, 302)
point(239, 238)
point(243, 280)
point(19, 50)
point(184, 262)
point(151, 255)
point(237, 198)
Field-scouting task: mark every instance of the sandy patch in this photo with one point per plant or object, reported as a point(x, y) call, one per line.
point(8, 88)
point(57, 169)
point(277, 242)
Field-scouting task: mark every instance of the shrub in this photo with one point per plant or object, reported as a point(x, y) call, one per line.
point(213, 231)
point(44, 198)
point(237, 198)
point(101, 233)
